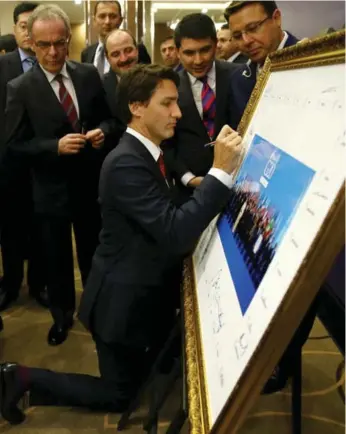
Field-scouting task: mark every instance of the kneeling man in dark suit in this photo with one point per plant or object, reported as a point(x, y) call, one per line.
point(127, 303)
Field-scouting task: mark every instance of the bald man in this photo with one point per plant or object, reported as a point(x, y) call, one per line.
point(121, 51)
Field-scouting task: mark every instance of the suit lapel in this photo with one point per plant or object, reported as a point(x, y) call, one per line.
point(187, 104)
point(15, 64)
point(143, 151)
point(48, 98)
point(92, 52)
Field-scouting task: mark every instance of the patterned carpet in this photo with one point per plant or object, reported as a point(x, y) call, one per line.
point(24, 341)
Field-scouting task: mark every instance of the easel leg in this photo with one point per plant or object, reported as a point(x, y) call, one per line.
point(161, 398)
point(297, 395)
point(124, 420)
point(177, 423)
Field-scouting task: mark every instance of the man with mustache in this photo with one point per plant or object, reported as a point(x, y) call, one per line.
point(122, 53)
point(107, 17)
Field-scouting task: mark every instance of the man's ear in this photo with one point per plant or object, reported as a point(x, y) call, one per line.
point(136, 109)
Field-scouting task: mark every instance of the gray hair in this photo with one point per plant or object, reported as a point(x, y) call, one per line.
point(49, 12)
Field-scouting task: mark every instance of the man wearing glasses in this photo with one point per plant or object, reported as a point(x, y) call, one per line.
point(256, 28)
point(16, 218)
point(55, 120)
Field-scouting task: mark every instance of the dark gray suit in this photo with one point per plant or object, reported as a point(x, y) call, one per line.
point(127, 301)
point(65, 186)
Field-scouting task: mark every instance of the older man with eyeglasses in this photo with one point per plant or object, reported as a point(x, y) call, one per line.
point(57, 120)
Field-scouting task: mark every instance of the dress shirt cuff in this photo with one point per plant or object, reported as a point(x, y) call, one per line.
point(222, 176)
point(185, 179)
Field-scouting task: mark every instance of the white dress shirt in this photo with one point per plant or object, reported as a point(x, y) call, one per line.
point(97, 55)
point(67, 82)
point(155, 151)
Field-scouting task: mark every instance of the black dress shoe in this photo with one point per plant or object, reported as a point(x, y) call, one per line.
point(9, 391)
point(41, 297)
point(58, 333)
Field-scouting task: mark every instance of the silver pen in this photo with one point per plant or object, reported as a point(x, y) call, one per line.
point(210, 144)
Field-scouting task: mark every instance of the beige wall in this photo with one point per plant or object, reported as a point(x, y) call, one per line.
point(78, 41)
point(161, 32)
point(6, 16)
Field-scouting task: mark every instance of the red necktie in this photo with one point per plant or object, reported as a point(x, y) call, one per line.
point(162, 165)
point(209, 107)
point(67, 103)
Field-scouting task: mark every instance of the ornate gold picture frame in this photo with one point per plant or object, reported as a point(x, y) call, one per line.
point(316, 261)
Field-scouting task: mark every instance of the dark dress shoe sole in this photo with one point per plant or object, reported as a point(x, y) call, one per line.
point(57, 336)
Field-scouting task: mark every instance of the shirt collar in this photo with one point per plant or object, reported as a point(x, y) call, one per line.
point(234, 56)
point(211, 75)
point(280, 47)
point(154, 150)
point(51, 77)
point(23, 55)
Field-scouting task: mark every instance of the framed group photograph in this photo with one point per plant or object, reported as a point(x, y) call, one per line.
point(259, 264)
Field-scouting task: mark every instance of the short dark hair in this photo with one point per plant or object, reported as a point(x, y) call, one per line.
point(8, 43)
point(139, 85)
point(195, 26)
point(167, 38)
point(235, 6)
point(21, 8)
point(114, 1)
point(224, 27)
point(118, 30)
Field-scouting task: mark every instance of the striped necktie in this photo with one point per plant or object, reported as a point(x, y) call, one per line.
point(209, 107)
point(67, 103)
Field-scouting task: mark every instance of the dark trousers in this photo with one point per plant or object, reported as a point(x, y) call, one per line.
point(57, 246)
point(20, 240)
point(122, 369)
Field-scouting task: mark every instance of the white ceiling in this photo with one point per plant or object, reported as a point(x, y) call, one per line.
point(303, 18)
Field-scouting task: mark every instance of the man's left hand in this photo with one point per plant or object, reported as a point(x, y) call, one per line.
point(96, 137)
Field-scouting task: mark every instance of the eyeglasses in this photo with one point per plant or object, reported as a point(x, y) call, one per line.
point(45, 45)
point(250, 29)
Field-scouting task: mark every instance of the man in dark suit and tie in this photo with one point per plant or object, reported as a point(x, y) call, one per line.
point(204, 100)
point(256, 28)
point(127, 304)
point(19, 237)
point(107, 17)
point(56, 121)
